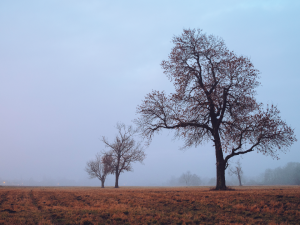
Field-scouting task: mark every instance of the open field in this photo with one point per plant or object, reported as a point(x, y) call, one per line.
point(135, 205)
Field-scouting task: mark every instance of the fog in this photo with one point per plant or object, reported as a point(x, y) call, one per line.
point(70, 70)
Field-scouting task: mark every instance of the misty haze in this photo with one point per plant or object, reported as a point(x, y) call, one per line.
point(66, 81)
point(178, 95)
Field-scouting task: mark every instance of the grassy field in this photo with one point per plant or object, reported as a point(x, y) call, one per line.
point(136, 205)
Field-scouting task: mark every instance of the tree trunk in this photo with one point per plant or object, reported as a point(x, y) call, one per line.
point(221, 185)
point(117, 181)
point(240, 179)
point(102, 183)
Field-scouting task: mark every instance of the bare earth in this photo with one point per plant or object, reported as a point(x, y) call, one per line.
point(149, 205)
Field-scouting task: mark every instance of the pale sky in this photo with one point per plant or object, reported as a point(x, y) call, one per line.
point(71, 69)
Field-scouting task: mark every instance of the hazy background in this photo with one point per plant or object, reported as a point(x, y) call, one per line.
point(71, 69)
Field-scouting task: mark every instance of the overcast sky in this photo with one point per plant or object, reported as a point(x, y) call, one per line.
point(71, 69)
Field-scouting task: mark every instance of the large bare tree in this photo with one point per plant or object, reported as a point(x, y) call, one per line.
point(99, 168)
point(124, 150)
point(214, 100)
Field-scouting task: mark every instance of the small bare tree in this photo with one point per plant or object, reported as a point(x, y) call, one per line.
point(195, 181)
point(99, 168)
point(189, 179)
point(124, 150)
point(237, 170)
point(186, 178)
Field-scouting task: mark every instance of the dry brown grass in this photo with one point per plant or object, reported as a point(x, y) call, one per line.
point(131, 205)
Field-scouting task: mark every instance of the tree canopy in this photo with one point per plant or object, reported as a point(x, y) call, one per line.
point(214, 100)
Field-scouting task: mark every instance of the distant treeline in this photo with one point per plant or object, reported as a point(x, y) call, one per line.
point(287, 175)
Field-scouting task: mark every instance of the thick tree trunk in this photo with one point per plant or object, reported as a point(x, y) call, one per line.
point(102, 183)
point(117, 181)
point(221, 184)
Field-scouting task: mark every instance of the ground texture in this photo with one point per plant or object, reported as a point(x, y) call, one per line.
point(133, 205)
